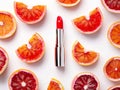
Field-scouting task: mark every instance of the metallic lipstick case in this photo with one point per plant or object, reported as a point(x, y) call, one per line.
point(59, 49)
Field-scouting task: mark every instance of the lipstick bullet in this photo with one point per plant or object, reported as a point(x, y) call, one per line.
point(59, 47)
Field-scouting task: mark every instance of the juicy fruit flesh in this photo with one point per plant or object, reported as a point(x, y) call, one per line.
point(54, 86)
point(2, 60)
point(6, 24)
point(34, 51)
point(29, 14)
point(91, 24)
point(68, 1)
point(85, 82)
point(113, 68)
point(117, 88)
point(82, 56)
point(23, 81)
point(115, 34)
point(113, 4)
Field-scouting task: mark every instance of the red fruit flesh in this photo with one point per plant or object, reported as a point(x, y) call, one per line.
point(23, 81)
point(2, 60)
point(113, 69)
point(117, 88)
point(67, 1)
point(85, 82)
point(113, 4)
point(91, 24)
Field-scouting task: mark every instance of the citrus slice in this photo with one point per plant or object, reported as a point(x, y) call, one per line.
point(23, 79)
point(3, 60)
point(7, 24)
point(82, 56)
point(116, 87)
point(114, 34)
point(55, 85)
point(112, 69)
point(68, 3)
point(112, 5)
point(90, 25)
point(85, 81)
point(34, 52)
point(29, 15)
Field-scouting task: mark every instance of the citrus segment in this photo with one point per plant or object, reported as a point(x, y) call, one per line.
point(114, 34)
point(7, 24)
point(55, 85)
point(91, 25)
point(68, 3)
point(116, 87)
point(112, 69)
point(82, 56)
point(3, 60)
point(23, 80)
point(33, 53)
point(112, 5)
point(85, 81)
point(29, 16)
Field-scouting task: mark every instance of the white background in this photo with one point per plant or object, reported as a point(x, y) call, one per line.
point(45, 69)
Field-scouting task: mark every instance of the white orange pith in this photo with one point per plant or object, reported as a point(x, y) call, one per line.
point(116, 87)
point(83, 57)
point(7, 25)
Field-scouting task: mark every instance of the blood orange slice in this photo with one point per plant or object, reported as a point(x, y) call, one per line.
point(55, 85)
point(68, 3)
point(112, 5)
point(7, 24)
point(29, 16)
point(3, 60)
point(91, 25)
point(82, 56)
point(112, 69)
point(116, 87)
point(114, 34)
point(85, 81)
point(33, 53)
point(23, 79)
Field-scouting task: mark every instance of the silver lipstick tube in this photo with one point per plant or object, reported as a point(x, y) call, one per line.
point(59, 49)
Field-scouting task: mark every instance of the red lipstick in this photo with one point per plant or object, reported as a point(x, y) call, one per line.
point(59, 47)
point(59, 23)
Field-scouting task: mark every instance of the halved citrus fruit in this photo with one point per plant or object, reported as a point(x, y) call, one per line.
point(3, 60)
point(116, 87)
point(82, 56)
point(23, 79)
point(55, 85)
point(29, 15)
point(91, 25)
point(85, 81)
point(112, 5)
point(114, 34)
point(34, 52)
point(112, 69)
point(7, 24)
point(68, 3)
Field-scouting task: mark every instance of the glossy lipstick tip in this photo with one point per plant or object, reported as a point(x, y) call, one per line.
point(59, 22)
